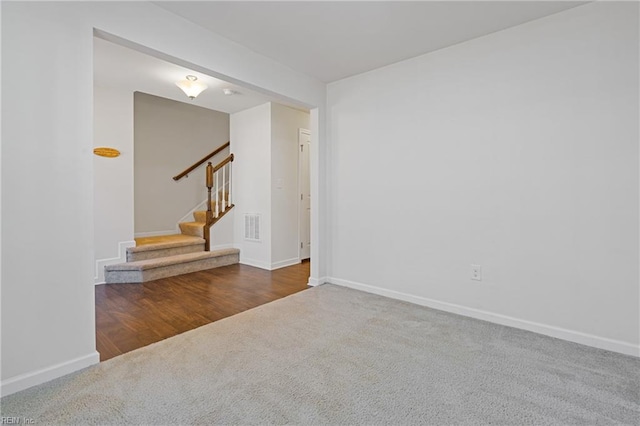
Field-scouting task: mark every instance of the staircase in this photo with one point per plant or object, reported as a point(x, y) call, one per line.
point(169, 255)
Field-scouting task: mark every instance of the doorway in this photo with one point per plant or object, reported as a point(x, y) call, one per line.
point(304, 185)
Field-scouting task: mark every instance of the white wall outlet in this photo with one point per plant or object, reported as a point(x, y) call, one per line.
point(476, 272)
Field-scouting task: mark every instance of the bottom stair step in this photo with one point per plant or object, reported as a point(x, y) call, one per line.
point(162, 267)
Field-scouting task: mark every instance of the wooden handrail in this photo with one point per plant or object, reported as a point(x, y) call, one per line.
point(222, 163)
point(199, 163)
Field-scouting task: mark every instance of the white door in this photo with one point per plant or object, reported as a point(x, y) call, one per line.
point(304, 185)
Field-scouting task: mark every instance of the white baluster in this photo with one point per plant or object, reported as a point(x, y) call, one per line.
point(217, 189)
point(230, 178)
point(224, 205)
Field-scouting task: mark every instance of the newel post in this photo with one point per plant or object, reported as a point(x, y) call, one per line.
point(207, 225)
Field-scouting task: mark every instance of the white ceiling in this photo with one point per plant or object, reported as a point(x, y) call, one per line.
point(337, 39)
point(126, 69)
point(327, 40)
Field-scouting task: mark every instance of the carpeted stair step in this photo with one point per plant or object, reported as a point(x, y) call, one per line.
point(192, 228)
point(152, 269)
point(201, 215)
point(163, 246)
point(201, 218)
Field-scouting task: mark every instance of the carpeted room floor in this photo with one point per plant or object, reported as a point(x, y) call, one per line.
point(331, 355)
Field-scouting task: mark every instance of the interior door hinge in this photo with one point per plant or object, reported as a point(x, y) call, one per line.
point(300, 245)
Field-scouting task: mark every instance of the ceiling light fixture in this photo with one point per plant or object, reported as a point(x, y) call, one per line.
point(191, 87)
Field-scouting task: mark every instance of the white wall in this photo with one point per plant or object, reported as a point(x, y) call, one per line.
point(285, 198)
point(264, 140)
point(169, 137)
point(251, 147)
point(47, 228)
point(48, 325)
point(222, 233)
point(517, 151)
point(113, 177)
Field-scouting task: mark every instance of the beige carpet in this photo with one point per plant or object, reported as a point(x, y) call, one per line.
point(331, 355)
point(161, 239)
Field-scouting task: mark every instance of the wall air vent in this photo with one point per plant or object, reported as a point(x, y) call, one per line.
point(251, 227)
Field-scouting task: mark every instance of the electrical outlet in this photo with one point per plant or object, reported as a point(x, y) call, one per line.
point(476, 272)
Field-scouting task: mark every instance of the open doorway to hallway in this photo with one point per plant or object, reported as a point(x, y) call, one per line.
point(133, 315)
point(304, 187)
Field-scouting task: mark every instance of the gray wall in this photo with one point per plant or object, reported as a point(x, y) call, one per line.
point(265, 182)
point(169, 136)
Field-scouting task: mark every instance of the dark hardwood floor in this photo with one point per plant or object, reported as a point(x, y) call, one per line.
point(130, 316)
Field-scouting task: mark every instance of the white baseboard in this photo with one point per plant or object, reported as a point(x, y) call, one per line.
point(548, 330)
point(255, 263)
point(24, 381)
point(285, 263)
point(317, 281)
point(101, 263)
point(157, 233)
point(268, 266)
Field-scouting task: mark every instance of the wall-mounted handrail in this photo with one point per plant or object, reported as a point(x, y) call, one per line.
point(200, 162)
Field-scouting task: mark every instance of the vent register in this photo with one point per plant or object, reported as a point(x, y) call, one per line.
point(251, 227)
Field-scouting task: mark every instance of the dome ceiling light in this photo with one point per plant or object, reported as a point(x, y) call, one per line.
point(191, 86)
